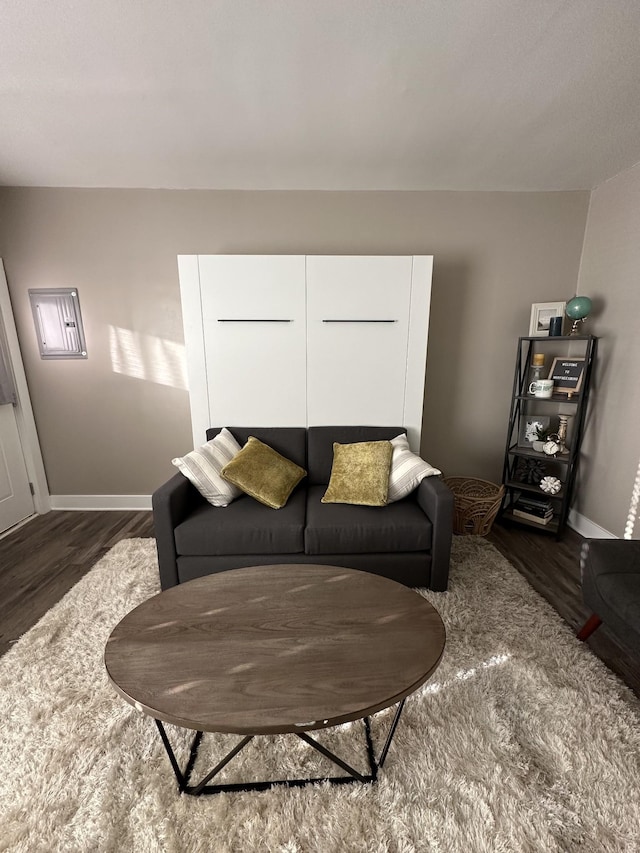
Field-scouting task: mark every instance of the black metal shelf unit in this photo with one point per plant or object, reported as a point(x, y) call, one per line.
point(524, 466)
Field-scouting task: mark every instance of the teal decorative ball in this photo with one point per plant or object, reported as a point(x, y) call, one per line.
point(578, 307)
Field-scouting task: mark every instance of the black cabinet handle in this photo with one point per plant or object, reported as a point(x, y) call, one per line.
point(241, 320)
point(359, 321)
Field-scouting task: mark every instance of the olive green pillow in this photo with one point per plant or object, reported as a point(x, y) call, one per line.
point(261, 472)
point(360, 473)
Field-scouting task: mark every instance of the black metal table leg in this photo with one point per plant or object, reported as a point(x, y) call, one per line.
point(392, 731)
point(333, 757)
point(203, 787)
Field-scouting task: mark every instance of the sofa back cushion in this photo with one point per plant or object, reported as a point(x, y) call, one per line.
point(290, 442)
point(320, 446)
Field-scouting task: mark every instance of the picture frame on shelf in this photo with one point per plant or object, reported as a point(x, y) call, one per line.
point(541, 314)
point(567, 374)
point(528, 431)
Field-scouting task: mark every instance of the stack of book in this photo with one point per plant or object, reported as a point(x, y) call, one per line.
point(532, 508)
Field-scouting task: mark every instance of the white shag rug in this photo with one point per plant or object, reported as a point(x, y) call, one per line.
point(522, 741)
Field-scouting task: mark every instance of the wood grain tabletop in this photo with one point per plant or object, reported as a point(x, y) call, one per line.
point(272, 649)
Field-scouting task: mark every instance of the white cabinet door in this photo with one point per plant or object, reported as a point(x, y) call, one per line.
point(253, 320)
point(357, 339)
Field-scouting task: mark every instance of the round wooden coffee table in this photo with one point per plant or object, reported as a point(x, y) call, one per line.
point(275, 649)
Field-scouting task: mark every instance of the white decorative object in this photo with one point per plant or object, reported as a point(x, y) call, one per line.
point(551, 447)
point(550, 485)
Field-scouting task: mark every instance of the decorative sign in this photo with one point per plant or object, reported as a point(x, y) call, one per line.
point(567, 374)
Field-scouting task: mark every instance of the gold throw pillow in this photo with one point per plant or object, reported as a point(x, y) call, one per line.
point(261, 472)
point(360, 473)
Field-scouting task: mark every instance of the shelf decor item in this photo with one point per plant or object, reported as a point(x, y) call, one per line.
point(476, 504)
point(531, 426)
point(537, 367)
point(578, 309)
point(551, 446)
point(542, 434)
point(550, 485)
point(567, 374)
point(541, 314)
point(563, 421)
point(555, 326)
point(530, 471)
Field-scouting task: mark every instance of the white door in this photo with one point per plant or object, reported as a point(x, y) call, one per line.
point(16, 500)
point(357, 339)
point(20, 457)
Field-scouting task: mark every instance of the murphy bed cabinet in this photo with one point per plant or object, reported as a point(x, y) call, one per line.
point(569, 361)
point(306, 340)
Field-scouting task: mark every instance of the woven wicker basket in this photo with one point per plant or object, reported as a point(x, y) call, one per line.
point(476, 504)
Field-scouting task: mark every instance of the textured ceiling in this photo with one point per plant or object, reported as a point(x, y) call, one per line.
point(319, 94)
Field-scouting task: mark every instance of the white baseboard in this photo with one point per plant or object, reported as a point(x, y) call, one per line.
point(89, 502)
point(587, 528)
point(580, 523)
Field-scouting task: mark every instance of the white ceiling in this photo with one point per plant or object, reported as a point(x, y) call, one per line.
point(319, 94)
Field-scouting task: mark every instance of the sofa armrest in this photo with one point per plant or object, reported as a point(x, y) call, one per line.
point(611, 556)
point(600, 557)
point(436, 500)
point(171, 504)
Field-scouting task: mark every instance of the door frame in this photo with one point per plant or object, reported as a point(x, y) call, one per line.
point(23, 409)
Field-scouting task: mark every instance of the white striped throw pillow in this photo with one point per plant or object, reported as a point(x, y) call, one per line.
point(203, 465)
point(407, 471)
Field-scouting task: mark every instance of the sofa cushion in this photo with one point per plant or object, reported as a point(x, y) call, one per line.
point(320, 446)
point(243, 527)
point(407, 471)
point(347, 529)
point(203, 466)
point(263, 473)
point(360, 473)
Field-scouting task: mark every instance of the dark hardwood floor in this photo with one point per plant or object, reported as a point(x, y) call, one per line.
point(43, 559)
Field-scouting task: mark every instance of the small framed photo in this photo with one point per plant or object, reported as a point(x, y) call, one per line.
point(529, 427)
point(541, 314)
point(567, 374)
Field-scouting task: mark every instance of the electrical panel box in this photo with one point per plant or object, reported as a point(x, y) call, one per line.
point(56, 313)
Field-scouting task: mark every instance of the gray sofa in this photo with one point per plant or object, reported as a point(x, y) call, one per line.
point(610, 570)
point(408, 541)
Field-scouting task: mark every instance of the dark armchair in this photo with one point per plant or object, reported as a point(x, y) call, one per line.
point(611, 588)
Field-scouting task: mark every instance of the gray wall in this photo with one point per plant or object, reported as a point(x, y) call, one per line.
point(111, 424)
point(610, 275)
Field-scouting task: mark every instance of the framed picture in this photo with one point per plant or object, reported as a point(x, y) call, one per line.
point(567, 374)
point(529, 426)
point(541, 314)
